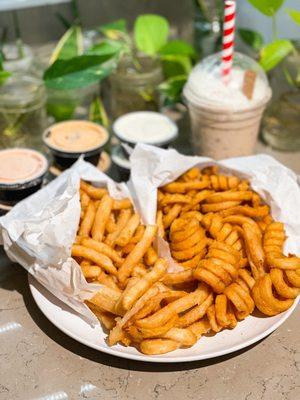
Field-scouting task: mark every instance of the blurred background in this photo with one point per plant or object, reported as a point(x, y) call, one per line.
point(39, 24)
point(113, 71)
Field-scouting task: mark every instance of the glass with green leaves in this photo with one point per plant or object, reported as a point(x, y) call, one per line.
point(73, 76)
point(281, 59)
point(22, 111)
point(145, 59)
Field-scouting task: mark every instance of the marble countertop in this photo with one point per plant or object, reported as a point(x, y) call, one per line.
point(37, 361)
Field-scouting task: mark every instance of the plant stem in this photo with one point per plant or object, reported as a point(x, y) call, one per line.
point(135, 61)
point(274, 28)
point(129, 42)
point(18, 34)
point(66, 24)
point(75, 12)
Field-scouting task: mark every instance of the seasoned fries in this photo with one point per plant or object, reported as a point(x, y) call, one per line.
point(102, 217)
point(228, 249)
point(88, 219)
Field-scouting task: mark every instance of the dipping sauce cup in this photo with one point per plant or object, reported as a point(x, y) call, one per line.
point(122, 163)
point(145, 127)
point(68, 140)
point(21, 174)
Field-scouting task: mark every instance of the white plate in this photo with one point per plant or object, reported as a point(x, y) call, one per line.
point(247, 332)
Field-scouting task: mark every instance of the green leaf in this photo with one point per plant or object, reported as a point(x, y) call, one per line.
point(97, 112)
point(172, 88)
point(178, 47)
point(273, 53)
point(251, 38)
point(114, 30)
point(267, 7)
point(70, 45)
point(288, 77)
point(78, 71)
point(174, 65)
point(3, 76)
point(150, 33)
point(294, 14)
point(147, 94)
point(61, 111)
point(106, 47)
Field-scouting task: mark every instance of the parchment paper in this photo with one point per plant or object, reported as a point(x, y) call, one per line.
point(39, 231)
point(152, 167)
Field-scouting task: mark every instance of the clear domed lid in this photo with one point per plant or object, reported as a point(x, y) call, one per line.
point(242, 62)
point(206, 82)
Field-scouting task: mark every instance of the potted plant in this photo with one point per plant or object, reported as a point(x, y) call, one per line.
point(73, 76)
point(22, 96)
point(22, 105)
point(144, 60)
point(281, 59)
point(90, 36)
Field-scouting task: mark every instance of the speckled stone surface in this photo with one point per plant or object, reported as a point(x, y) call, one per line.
point(37, 361)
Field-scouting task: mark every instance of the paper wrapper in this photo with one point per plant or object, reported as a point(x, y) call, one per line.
point(152, 167)
point(39, 231)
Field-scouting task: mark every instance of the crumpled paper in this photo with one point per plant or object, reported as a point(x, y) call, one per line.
point(152, 167)
point(39, 231)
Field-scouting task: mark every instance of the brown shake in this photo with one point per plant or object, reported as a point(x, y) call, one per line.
point(225, 122)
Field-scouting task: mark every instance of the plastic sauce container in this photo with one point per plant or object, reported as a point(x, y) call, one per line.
point(122, 163)
point(21, 174)
point(68, 140)
point(145, 127)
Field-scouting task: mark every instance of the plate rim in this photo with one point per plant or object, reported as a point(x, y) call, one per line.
point(141, 357)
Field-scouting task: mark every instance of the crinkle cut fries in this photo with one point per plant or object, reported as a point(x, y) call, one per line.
point(229, 249)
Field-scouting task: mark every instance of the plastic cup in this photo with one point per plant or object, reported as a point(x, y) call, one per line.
point(224, 122)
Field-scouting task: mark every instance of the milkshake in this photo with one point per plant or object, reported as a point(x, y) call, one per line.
point(225, 117)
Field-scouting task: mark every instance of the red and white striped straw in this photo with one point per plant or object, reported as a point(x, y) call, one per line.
point(228, 39)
